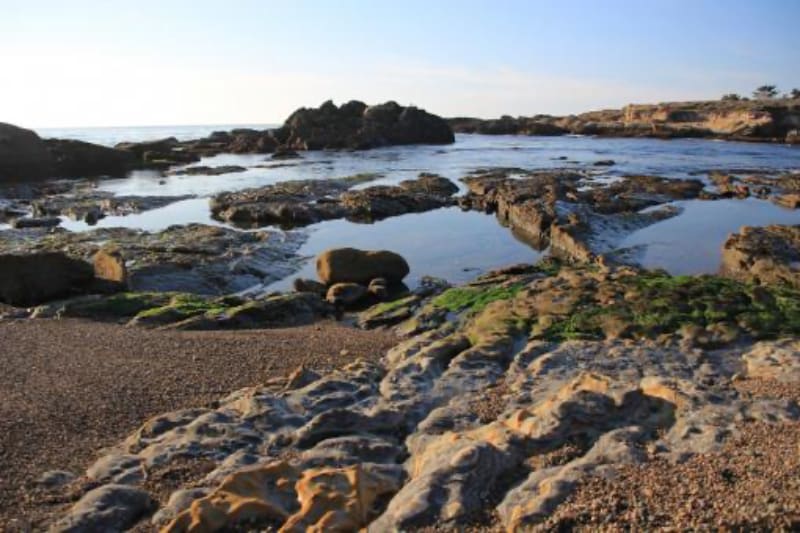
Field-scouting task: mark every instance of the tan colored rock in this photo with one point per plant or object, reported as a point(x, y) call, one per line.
point(109, 264)
point(259, 494)
point(325, 499)
point(349, 265)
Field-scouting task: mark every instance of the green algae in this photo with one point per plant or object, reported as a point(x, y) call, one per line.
point(474, 299)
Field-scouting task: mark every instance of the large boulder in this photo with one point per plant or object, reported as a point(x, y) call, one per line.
point(78, 159)
point(32, 279)
point(355, 125)
point(23, 155)
point(349, 265)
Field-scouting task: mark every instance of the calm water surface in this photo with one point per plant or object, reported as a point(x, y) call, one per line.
point(450, 243)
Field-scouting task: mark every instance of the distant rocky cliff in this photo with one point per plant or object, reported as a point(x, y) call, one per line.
point(771, 121)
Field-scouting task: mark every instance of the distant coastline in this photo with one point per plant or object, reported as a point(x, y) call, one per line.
point(766, 120)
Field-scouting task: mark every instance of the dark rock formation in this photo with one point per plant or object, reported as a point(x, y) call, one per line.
point(303, 202)
point(566, 210)
point(30, 279)
point(23, 155)
point(78, 159)
point(355, 125)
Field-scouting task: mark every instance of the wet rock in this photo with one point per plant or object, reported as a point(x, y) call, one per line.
point(207, 171)
point(106, 508)
point(22, 223)
point(78, 203)
point(604, 163)
point(349, 265)
point(345, 294)
point(430, 184)
point(309, 285)
point(30, 279)
point(285, 153)
point(584, 221)
point(354, 125)
point(768, 255)
point(379, 202)
point(298, 203)
point(291, 202)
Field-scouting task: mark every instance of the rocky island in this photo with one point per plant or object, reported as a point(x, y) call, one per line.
point(158, 382)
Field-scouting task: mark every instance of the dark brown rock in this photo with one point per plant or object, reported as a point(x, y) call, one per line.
point(23, 155)
point(349, 265)
point(354, 125)
point(31, 279)
point(78, 159)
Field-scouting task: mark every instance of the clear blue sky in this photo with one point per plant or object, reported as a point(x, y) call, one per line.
point(108, 62)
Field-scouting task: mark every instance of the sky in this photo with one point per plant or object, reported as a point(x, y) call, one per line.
point(169, 62)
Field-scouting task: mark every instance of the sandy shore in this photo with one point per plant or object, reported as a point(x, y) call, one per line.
point(69, 388)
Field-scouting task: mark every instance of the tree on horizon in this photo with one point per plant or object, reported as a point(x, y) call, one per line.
point(766, 92)
point(794, 93)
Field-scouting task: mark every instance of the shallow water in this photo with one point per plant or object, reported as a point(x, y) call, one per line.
point(691, 242)
point(446, 242)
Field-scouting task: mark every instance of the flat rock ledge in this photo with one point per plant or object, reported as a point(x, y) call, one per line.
point(489, 413)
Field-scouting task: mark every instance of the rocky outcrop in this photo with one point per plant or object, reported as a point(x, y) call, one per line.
point(768, 255)
point(196, 258)
point(26, 157)
point(499, 410)
point(356, 125)
point(579, 219)
point(23, 155)
point(30, 279)
point(349, 265)
point(756, 120)
point(78, 159)
point(303, 202)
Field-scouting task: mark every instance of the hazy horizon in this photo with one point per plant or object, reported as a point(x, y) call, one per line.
point(111, 64)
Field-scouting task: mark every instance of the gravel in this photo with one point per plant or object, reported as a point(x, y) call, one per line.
point(753, 483)
point(70, 387)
